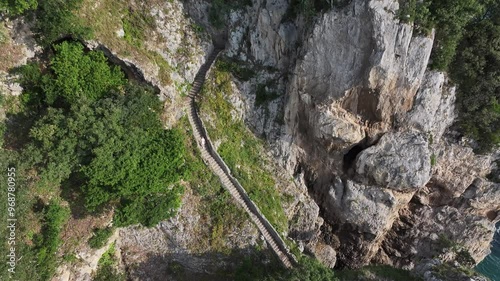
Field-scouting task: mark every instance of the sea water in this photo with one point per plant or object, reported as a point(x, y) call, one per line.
point(490, 266)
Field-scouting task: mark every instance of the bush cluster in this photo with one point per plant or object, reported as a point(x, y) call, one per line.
point(104, 135)
point(476, 69)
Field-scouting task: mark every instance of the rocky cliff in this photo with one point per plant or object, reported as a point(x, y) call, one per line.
point(356, 124)
point(366, 127)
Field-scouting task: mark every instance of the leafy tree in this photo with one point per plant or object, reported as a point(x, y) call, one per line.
point(78, 75)
point(52, 149)
point(450, 18)
point(133, 154)
point(93, 125)
point(118, 144)
point(148, 210)
point(477, 71)
point(17, 7)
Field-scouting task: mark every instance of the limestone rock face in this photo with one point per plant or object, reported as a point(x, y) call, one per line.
point(338, 128)
point(400, 161)
point(367, 213)
point(433, 108)
point(484, 197)
point(259, 33)
point(269, 39)
point(359, 123)
point(17, 47)
point(325, 254)
point(438, 270)
point(368, 207)
point(424, 232)
point(361, 57)
point(457, 167)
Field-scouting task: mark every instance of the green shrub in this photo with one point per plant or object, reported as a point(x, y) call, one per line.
point(310, 8)
point(48, 241)
point(150, 210)
point(238, 69)
point(450, 17)
point(262, 95)
point(78, 75)
point(476, 70)
point(308, 269)
point(219, 10)
point(17, 7)
point(134, 25)
point(433, 160)
point(4, 36)
point(108, 133)
point(55, 19)
point(100, 237)
point(417, 12)
point(106, 267)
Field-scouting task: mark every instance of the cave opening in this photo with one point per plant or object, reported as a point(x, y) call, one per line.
point(492, 215)
point(350, 157)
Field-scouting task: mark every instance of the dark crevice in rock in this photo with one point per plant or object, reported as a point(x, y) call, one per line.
point(492, 215)
point(350, 157)
point(131, 71)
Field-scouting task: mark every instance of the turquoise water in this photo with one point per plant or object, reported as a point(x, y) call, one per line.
point(490, 266)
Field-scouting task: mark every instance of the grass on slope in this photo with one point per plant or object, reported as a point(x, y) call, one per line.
point(220, 212)
point(240, 149)
point(376, 272)
point(108, 16)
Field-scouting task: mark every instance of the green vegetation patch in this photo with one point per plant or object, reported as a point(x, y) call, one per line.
point(27, 223)
point(311, 8)
point(4, 36)
point(433, 159)
point(100, 237)
point(448, 271)
point(93, 133)
point(56, 19)
point(219, 209)
point(477, 71)
point(308, 269)
point(219, 10)
point(237, 68)
point(77, 75)
point(376, 272)
point(449, 17)
point(107, 267)
point(241, 150)
point(17, 7)
point(97, 130)
point(135, 26)
point(47, 242)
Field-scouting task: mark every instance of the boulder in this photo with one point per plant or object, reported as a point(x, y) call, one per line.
point(364, 214)
point(399, 161)
point(456, 167)
point(434, 106)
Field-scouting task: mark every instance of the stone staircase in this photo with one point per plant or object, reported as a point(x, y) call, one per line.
point(217, 165)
